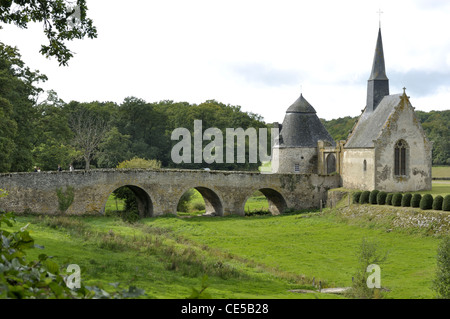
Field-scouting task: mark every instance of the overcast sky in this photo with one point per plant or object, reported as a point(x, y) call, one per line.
point(257, 54)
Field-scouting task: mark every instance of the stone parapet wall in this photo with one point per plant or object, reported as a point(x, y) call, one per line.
point(158, 191)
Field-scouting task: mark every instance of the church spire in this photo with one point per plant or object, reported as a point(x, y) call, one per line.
point(378, 84)
point(378, 67)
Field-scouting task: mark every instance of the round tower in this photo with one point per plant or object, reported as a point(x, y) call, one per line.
point(296, 150)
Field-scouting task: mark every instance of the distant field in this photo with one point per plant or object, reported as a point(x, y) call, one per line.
point(440, 171)
point(439, 188)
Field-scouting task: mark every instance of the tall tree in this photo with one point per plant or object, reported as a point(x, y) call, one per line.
point(114, 149)
point(89, 128)
point(52, 146)
point(18, 86)
point(8, 130)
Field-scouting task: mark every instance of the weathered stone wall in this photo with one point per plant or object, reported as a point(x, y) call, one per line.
point(356, 174)
point(285, 158)
point(403, 125)
point(158, 191)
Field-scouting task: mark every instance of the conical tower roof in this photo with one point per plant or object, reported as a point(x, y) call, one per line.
point(301, 126)
point(378, 66)
point(301, 106)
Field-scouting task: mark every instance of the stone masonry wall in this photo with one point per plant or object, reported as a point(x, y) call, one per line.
point(403, 125)
point(158, 191)
point(353, 173)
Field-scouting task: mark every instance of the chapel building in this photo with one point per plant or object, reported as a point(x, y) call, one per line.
point(387, 148)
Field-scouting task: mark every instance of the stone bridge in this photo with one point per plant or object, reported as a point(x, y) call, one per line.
point(159, 191)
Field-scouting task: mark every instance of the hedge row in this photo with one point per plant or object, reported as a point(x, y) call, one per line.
point(425, 202)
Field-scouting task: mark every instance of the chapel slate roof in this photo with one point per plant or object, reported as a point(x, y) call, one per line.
point(301, 126)
point(370, 124)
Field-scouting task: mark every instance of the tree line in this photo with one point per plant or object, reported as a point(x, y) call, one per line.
point(97, 134)
point(103, 134)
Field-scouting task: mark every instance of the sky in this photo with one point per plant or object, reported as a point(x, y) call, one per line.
point(260, 55)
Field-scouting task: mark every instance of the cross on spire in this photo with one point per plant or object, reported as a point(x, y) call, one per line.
point(379, 16)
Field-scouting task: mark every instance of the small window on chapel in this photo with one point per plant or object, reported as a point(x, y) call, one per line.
point(296, 168)
point(400, 158)
point(365, 165)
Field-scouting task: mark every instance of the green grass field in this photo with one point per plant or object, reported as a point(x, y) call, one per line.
point(440, 171)
point(251, 257)
point(243, 257)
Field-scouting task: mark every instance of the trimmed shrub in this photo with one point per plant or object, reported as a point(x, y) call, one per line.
point(437, 202)
point(415, 200)
point(373, 197)
point(442, 276)
point(397, 199)
point(426, 202)
point(364, 199)
point(406, 200)
point(356, 197)
point(389, 199)
point(446, 203)
point(381, 198)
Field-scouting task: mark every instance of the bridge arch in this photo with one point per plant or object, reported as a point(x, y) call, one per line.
point(277, 202)
point(213, 203)
point(143, 200)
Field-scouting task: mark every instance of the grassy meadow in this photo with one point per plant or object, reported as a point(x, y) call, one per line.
point(237, 257)
point(242, 257)
point(256, 256)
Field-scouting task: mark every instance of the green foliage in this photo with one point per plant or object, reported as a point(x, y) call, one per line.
point(446, 203)
point(389, 199)
point(61, 22)
point(381, 198)
point(415, 200)
point(364, 198)
point(114, 149)
point(437, 202)
point(183, 203)
point(356, 196)
point(65, 198)
point(126, 194)
point(441, 283)
point(426, 202)
point(373, 197)
point(340, 128)
point(129, 215)
point(140, 163)
point(42, 278)
point(17, 93)
point(8, 130)
point(406, 200)
point(368, 253)
point(435, 125)
point(200, 293)
point(397, 199)
point(52, 145)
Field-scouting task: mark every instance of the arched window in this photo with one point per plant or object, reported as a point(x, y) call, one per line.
point(331, 163)
point(400, 158)
point(365, 165)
